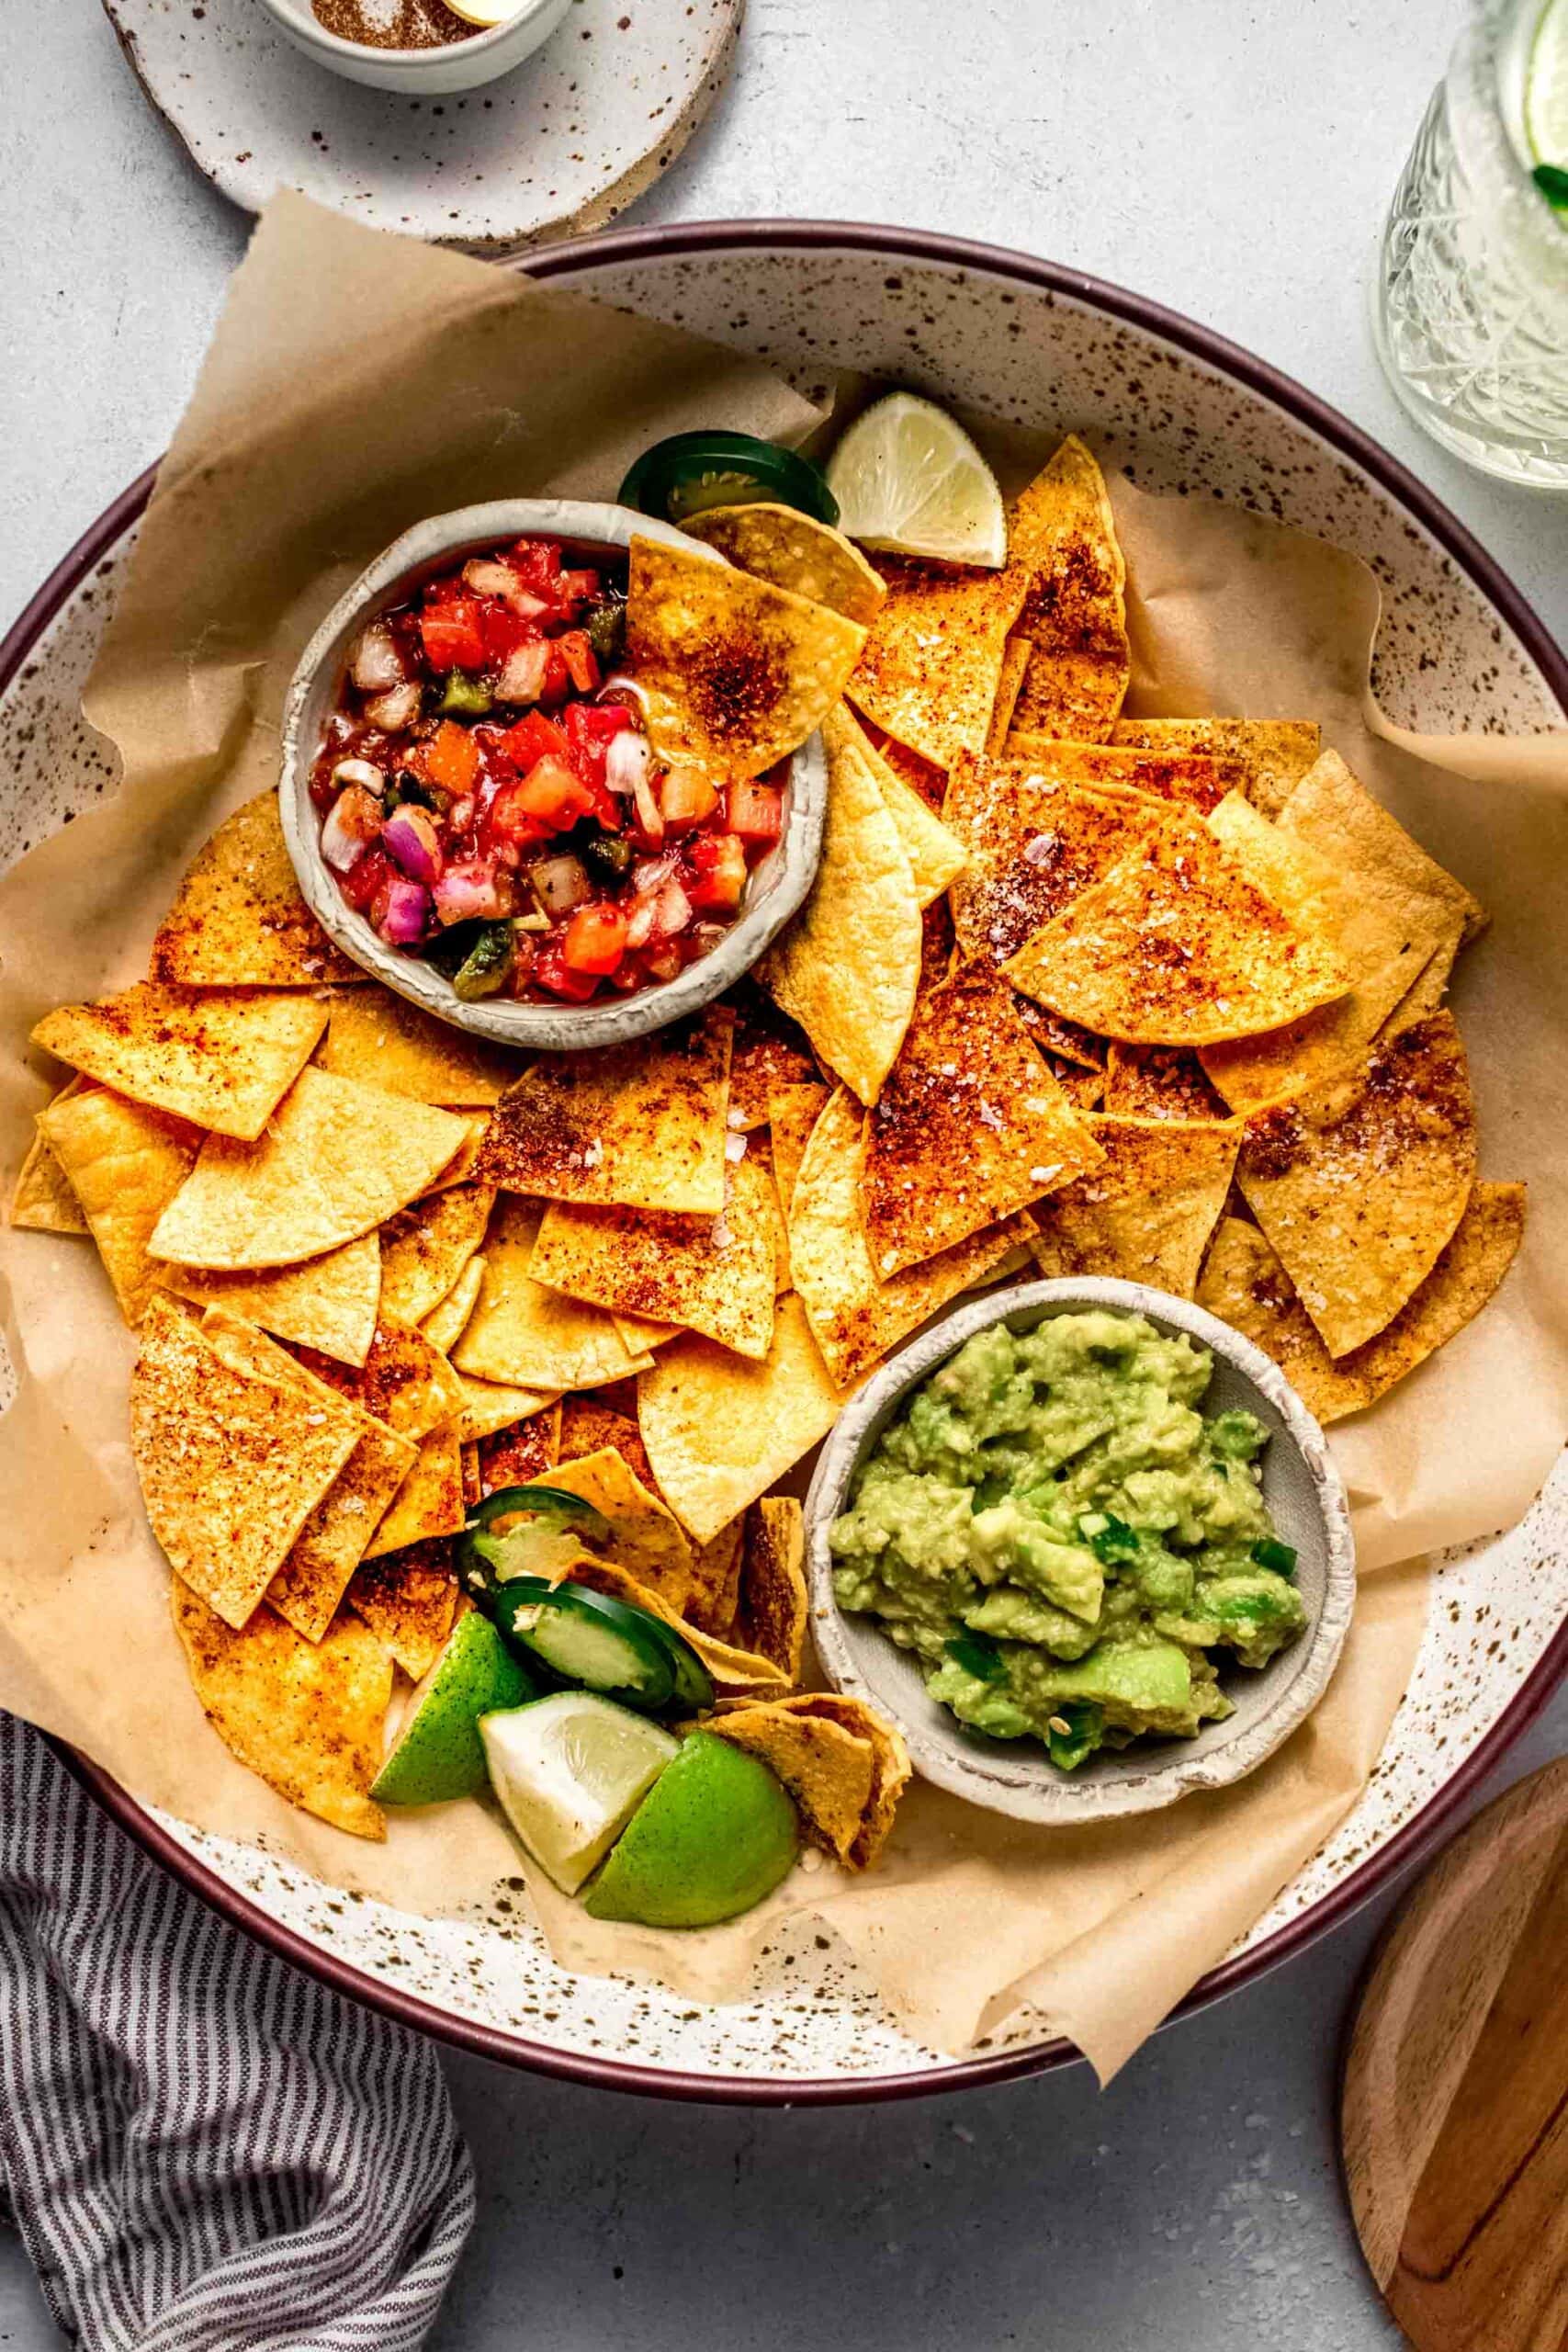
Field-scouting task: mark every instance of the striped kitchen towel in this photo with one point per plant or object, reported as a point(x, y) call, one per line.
point(204, 2151)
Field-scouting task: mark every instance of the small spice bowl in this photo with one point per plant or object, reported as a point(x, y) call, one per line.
point(779, 882)
point(463, 64)
point(1305, 1496)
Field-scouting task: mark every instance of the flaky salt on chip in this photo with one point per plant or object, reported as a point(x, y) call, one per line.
point(734, 672)
point(1188, 779)
point(721, 1430)
point(1147, 1214)
point(1158, 1082)
point(1062, 536)
point(847, 966)
point(1034, 845)
point(970, 1127)
point(830, 1771)
point(409, 1599)
point(491, 1405)
point(430, 1501)
point(929, 667)
point(856, 1318)
point(795, 551)
point(1334, 814)
point(1176, 947)
point(526, 1336)
point(330, 1302)
point(771, 1051)
point(893, 1771)
point(644, 1535)
point(382, 1040)
point(220, 1058)
point(239, 920)
point(307, 1717)
point(1245, 1283)
point(1265, 758)
point(1360, 1183)
point(231, 1467)
point(125, 1163)
point(425, 1247)
point(935, 855)
point(403, 1382)
point(448, 1319)
point(708, 1274)
point(732, 1669)
point(1083, 1088)
point(337, 1159)
point(773, 1605)
point(641, 1127)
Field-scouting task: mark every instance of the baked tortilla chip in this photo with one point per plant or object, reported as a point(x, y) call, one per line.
point(425, 1247)
point(43, 1200)
point(430, 1501)
point(792, 1114)
point(1245, 1283)
point(526, 1336)
point(404, 1382)
point(1016, 655)
point(828, 1770)
point(1430, 986)
point(731, 1669)
point(794, 551)
point(855, 1318)
point(1265, 758)
point(1361, 1184)
point(720, 1430)
point(1188, 779)
point(446, 1322)
point(379, 1039)
point(970, 1127)
point(222, 1058)
point(1158, 1082)
point(1062, 534)
point(231, 1467)
point(124, 1163)
point(929, 667)
point(935, 855)
point(459, 1169)
point(639, 1126)
point(330, 1302)
point(716, 1582)
point(1085, 1088)
point(306, 1718)
point(708, 1274)
point(847, 966)
point(893, 1771)
point(337, 1159)
point(1176, 947)
point(734, 673)
point(588, 1424)
point(490, 1406)
point(1337, 816)
point(1034, 845)
point(1147, 1213)
point(239, 920)
point(516, 1456)
point(771, 1051)
point(646, 1537)
point(773, 1605)
point(408, 1600)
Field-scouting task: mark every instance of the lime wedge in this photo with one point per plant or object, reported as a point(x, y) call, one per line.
point(1546, 86)
point(439, 1754)
point(570, 1771)
point(714, 1835)
point(906, 478)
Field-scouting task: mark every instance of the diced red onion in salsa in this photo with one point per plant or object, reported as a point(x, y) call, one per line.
point(490, 801)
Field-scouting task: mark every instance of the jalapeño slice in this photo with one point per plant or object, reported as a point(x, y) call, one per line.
point(692, 471)
point(586, 1638)
point(525, 1531)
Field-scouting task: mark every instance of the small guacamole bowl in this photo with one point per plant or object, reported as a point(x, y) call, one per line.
point(1305, 1498)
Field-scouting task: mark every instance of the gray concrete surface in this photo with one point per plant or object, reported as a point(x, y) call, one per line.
point(1233, 160)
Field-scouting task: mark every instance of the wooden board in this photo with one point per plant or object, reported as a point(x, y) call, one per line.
point(1454, 2117)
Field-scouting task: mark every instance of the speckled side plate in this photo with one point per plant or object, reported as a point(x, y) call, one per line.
point(562, 143)
point(1459, 649)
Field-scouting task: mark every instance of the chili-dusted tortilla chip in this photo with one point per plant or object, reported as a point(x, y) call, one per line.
point(928, 782)
point(771, 1051)
point(792, 551)
point(640, 1126)
point(124, 1163)
point(514, 1457)
point(425, 1247)
point(847, 966)
point(1147, 1213)
point(1062, 534)
point(1360, 1183)
point(448, 1322)
point(379, 1039)
point(1337, 816)
point(430, 1501)
point(404, 1381)
point(645, 1536)
point(935, 855)
point(44, 1199)
point(828, 1770)
point(408, 1600)
point(893, 1771)
point(854, 1318)
point(336, 1160)
point(1176, 947)
point(526, 1336)
point(793, 1112)
point(459, 1169)
point(1016, 656)
point(588, 1424)
point(716, 1582)
point(1187, 779)
point(720, 1430)
point(490, 1406)
point(1158, 1082)
point(1064, 1040)
point(330, 1302)
point(1083, 1088)
point(771, 1603)
point(1265, 758)
point(239, 920)
point(970, 1127)
point(708, 1274)
point(1245, 1283)
point(929, 667)
point(732, 1669)
point(1034, 845)
point(306, 1718)
point(231, 1467)
point(734, 673)
point(222, 1058)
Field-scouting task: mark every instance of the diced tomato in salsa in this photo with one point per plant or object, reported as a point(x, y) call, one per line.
point(454, 635)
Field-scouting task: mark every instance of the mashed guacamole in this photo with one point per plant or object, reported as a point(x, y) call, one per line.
point(1064, 1542)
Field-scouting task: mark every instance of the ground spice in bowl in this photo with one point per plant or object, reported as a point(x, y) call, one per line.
point(393, 24)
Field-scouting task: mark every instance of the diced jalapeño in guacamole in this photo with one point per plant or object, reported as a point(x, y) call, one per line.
point(1065, 1541)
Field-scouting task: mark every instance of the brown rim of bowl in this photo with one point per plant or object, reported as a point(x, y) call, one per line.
point(1420, 1834)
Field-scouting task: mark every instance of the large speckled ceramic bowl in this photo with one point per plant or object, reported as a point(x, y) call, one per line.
point(1459, 649)
point(1305, 1496)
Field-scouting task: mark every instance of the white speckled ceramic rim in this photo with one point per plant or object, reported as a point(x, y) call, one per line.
point(1418, 1836)
point(779, 882)
point(1017, 1777)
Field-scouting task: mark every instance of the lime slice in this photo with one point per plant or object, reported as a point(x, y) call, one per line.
point(1546, 86)
point(439, 1754)
point(714, 1835)
point(486, 12)
point(908, 479)
point(570, 1771)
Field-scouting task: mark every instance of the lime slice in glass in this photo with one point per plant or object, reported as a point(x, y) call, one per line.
point(714, 1835)
point(1546, 86)
point(569, 1772)
point(908, 479)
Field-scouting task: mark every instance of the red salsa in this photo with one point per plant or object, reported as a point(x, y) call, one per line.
point(490, 800)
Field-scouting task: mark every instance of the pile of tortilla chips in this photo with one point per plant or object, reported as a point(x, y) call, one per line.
point(1073, 993)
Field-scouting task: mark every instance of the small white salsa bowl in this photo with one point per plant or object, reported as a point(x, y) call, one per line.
point(418, 73)
point(1304, 1492)
point(779, 882)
